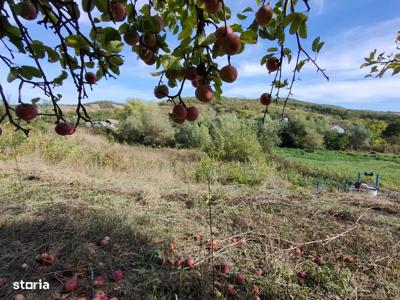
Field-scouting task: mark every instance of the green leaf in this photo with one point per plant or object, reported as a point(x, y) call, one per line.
point(35, 100)
point(249, 37)
point(101, 5)
point(295, 23)
point(59, 79)
point(247, 9)
point(300, 65)
point(155, 74)
point(53, 55)
point(76, 41)
point(303, 30)
point(315, 44)
point(116, 60)
point(319, 47)
point(241, 17)
point(85, 5)
point(38, 49)
point(114, 46)
point(265, 58)
point(28, 72)
point(12, 75)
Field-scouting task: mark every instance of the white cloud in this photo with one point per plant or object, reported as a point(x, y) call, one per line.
point(317, 6)
point(341, 57)
point(357, 91)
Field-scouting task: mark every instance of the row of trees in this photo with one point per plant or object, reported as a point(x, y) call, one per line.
point(229, 137)
point(366, 135)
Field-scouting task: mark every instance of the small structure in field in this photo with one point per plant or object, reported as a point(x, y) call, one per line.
point(338, 129)
point(371, 189)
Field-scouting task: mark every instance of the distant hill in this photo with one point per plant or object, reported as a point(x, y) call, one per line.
point(252, 108)
point(94, 107)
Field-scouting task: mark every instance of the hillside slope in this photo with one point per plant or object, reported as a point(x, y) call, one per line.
point(150, 204)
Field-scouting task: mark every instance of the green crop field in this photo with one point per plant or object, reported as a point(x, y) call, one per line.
point(346, 165)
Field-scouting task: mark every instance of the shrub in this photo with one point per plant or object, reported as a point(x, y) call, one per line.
point(301, 133)
point(334, 140)
point(234, 139)
point(359, 137)
point(293, 133)
point(252, 173)
point(376, 128)
point(195, 135)
point(249, 173)
point(206, 170)
point(312, 141)
point(145, 124)
point(267, 134)
point(393, 129)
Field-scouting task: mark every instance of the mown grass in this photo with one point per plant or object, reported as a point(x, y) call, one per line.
point(345, 166)
point(62, 195)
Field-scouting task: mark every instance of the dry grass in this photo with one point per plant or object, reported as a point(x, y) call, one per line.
point(62, 198)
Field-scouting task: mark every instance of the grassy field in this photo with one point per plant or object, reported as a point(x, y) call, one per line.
point(62, 195)
point(345, 166)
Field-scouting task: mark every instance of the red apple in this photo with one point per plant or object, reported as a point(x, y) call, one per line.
point(191, 73)
point(178, 262)
point(118, 275)
point(71, 285)
point(255, 289)
point(318, 260)
point(230, 290)
point(265, 99)
point(91, 77)
point(297, 252)
point(28, 11)
point(99, 281)
point(228, 74)
point(131, 38)
point(259, 272)
point(231, 44)
point(161, 91)
point(119, 11)
point(3, 281)
point(224, 268)
point(301, 274)
point(26, 112)
point(179, 112)
point(264, 15)
point(239, 278)
point(65, 128)
point(104, 241)
point(204, 93)
point(192, 114)
point(190, 262)
point(223, 32)
point(47, 259)
point(273, 64)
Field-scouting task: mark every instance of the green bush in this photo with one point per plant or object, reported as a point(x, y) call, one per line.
point(249, 173)
point(252, 173)
point(145, 124)
point(312, 141)
point(359, 137)
point(234, 139)
point(193, 135)
point(268, 134)
point(206, 170)
point(334, 140)
point(302, 133)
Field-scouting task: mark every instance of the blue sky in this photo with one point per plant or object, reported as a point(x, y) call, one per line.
point(350, 29)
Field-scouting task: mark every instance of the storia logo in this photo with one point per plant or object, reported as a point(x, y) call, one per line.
point(27, 285)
